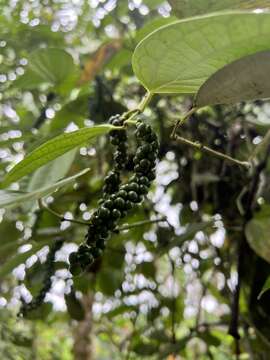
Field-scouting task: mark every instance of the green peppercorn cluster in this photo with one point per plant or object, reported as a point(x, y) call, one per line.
point(49, 268)
point(118, 198)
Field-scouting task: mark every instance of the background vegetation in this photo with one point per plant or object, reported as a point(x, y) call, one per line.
point(183, 277)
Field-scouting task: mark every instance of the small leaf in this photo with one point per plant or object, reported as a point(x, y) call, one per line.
point(41, 313)
point(180, 57)
point(120, 310)
point(265, 288)
point(210, 339)
point(190, 232)
point(83, 283)
point(257, 233)
point(109, 280)
point(74, 307)
point(243, 79)
point(148, 269)
point(14, 198)
point(52, 149)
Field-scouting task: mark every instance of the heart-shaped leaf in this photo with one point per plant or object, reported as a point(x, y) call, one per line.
point(52, 149)
point(50, 66)
point(243, 79)
point(185, 8)
point(180, 57)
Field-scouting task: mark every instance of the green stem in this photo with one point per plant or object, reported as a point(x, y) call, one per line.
point(130, 115)
point(140, 223)
point(59, 216)
point(145, 101)
point(203, 148)
point(182, 120)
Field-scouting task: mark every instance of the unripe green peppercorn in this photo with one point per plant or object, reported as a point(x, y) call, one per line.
point(133, 187)
point(116, 214)
point(104, 213)
point(132, 195)
point(119, 203)
point(122, 193)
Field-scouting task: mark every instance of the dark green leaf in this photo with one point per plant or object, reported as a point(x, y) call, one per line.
point(74, 307)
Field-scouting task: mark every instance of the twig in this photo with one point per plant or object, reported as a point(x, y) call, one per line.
point(139, 223)
point(60, 216)
point(204, 148)
point(173, 302)
point(130, 115)
point(182, 120)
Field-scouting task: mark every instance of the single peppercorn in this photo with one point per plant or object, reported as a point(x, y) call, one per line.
point(119, 203)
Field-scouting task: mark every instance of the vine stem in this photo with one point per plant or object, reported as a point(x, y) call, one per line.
point(140, 223)
point(182, 120)
point(204, 148)
point(130, 115)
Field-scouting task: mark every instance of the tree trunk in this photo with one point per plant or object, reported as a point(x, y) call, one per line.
point(82, 349)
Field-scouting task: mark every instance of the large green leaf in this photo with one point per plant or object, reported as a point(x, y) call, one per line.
point(10, 199)
point(243, 79)
point(51, 149)
point(185, 8)
point(180, 57)
point(52, 66)
point(257, 233)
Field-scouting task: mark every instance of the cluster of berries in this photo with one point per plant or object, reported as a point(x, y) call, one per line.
point(49, 268)
point(118, 198)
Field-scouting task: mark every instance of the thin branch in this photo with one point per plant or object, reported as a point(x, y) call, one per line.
point(130, 115)
point(204, 148)
point(182, 120)
point(60, 216)
point(173, 302)
point(139, 223)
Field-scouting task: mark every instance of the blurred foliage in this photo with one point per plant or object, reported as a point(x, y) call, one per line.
point(164, 289)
